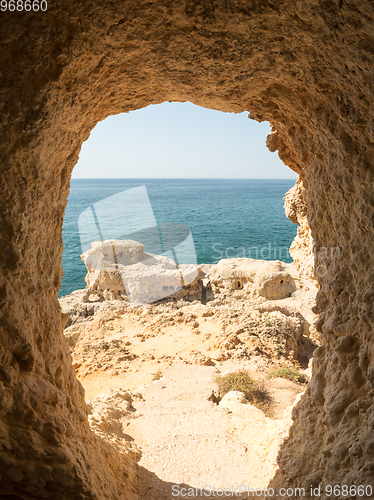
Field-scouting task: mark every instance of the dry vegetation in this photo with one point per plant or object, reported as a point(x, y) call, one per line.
point(256, 392)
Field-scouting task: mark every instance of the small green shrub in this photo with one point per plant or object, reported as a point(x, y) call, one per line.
point(255, 391)
point(290, 373)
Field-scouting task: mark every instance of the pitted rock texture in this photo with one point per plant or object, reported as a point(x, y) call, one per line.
point(259, 278)
point(305, 66)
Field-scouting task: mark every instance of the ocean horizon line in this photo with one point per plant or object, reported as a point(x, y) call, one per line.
point(187, 178)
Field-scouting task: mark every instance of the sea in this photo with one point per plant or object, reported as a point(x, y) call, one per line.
point(227, 218)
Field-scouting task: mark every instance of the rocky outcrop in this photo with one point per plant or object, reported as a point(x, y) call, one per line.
point(304, 66)
point(248, 324)
point(261, 278)
point(121, 269)
point(302, 247)
point(108, 415)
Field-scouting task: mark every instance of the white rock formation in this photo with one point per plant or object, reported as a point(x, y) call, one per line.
point(233, 396)
point(122, 269)
point(269, 279)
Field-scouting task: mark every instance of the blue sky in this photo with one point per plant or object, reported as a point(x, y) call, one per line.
point(179, 140)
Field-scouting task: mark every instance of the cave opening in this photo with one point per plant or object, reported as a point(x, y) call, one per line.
point(206, 169)
point(139, 348)
point(306, 68)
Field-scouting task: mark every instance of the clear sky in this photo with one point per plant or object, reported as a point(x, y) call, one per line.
point(179, 140)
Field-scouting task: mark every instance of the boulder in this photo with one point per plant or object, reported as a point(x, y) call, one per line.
point(233, 397)
point(122, 269)
point(269, 279)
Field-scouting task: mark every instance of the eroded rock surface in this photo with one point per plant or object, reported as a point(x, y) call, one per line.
point(120, 338)
point(302, 248)
point(268, 279)
point(231, 282)
point(121, 269)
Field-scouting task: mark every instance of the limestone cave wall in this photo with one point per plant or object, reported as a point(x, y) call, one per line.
point(305, 66)
point(302, 248)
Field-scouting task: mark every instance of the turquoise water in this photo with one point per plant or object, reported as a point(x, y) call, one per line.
point(227, 217)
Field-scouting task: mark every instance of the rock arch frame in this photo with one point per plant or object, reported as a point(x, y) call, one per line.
point(306, 67)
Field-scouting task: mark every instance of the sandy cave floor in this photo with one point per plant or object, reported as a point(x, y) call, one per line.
point(188, 440)
point(169, 359)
